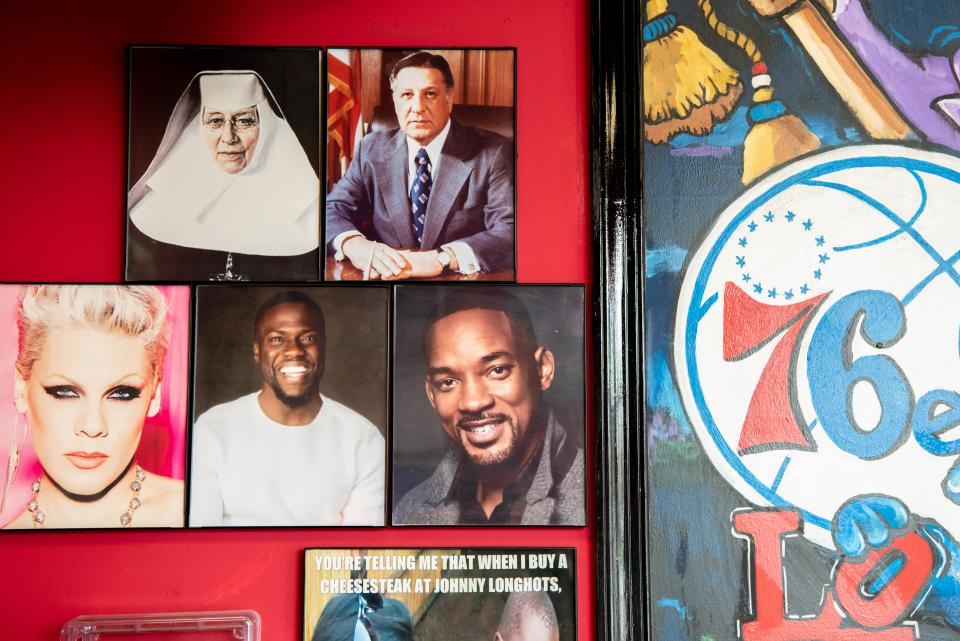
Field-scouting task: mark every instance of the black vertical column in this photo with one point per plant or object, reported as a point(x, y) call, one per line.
point(616, 163)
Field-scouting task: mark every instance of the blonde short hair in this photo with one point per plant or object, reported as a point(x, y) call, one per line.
point(139, 311)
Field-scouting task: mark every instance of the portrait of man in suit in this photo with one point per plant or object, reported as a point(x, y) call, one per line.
point(509, 457)
point(430, 196)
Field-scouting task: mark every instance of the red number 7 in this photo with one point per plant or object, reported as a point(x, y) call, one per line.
point(773, 419)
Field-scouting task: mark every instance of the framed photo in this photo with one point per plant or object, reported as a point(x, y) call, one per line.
point(290, 406)
point(800, 303)
point(420, 164)
point(425, 594)
point(224, 162)
point(488, 412)
point(95, 381)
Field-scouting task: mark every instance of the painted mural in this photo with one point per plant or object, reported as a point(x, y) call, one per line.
point(801, 186)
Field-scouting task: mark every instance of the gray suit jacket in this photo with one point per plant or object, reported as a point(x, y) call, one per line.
point(555, 497)
point(472, 199)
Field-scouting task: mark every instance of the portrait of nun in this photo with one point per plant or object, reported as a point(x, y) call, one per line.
point(230, 193)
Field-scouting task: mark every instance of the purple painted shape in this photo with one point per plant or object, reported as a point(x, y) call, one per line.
point(701, 151)
point(913, 82)
point(950, 107)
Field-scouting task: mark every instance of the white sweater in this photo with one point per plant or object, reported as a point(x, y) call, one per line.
point(249, 470)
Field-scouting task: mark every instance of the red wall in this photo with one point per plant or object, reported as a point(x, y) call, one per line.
point(62, 184)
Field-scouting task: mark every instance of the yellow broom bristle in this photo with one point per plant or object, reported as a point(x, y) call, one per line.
point(686, 86)
point(654, 8)
point(770, 144)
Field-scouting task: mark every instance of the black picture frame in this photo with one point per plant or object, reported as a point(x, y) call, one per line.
point(226, 299)
point(559, 316)
point(392, 55)
point(568, 620)
point(186, 334)
point(160, 76)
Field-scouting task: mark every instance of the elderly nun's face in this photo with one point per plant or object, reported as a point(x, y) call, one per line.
point(231, 135)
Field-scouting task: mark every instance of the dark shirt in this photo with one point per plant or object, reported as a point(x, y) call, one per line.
point(509, 511)
point(554, 497)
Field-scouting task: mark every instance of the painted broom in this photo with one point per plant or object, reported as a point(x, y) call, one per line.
point(688, 88)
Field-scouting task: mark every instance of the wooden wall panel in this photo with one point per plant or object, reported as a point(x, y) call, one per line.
point(489, 77)
point(456, 60)
point(498, 78)
point(371, 61)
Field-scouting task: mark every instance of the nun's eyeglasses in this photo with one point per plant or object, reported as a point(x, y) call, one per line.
point(364, 631)
point(243, 121)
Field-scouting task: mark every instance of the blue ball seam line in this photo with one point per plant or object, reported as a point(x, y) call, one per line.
point(659, 27)
point(764, 111)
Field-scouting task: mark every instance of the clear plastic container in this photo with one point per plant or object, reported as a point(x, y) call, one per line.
point(241, 625)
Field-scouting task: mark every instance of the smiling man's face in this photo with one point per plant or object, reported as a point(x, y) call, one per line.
point(485, 384)
point(422, 101)
point(289, 349)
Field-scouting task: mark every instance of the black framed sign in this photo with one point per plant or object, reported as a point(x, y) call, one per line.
point(482, 593)
point(224, 159)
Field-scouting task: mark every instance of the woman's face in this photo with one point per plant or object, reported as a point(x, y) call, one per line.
point(86, 400)
point(231, 135)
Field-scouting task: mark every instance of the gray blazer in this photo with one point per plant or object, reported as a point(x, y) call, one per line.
point(555, 497)
point(472, 199)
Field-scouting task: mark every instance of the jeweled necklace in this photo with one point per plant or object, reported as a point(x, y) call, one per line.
point(126, 519)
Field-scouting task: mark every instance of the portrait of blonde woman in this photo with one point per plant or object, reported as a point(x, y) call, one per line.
point(97, 384)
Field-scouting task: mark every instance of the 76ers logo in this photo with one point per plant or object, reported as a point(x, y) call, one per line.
point(816, 344)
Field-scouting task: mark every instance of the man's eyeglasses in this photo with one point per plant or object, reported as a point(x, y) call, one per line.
point(364, 631)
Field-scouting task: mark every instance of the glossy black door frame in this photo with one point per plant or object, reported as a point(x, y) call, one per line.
point(617, 304)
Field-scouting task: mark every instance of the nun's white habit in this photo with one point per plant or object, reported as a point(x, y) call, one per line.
point(186, 200)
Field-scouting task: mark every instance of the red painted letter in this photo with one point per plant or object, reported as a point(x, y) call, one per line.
point(766, 529)
point(912, 553)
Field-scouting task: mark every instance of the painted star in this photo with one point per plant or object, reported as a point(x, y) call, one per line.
point(746, 277)
point(768, 217)
point(788, 294)
point(804, 289)
point(741, 261)
point(817, 274)
point(758, 288)
point(790, 216)
point(752, 226)
point(824, 258)
point(742, 242)
point(820, 241)
point(807, 224)
point(772, 293)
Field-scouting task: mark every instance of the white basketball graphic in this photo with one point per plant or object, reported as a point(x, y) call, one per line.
point(817, 344)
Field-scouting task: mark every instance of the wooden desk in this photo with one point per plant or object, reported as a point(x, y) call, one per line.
point(346, 271)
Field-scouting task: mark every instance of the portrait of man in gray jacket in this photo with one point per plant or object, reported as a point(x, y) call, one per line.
point(430, 196)
point(510, 461)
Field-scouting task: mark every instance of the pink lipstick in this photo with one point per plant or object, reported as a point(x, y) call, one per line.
point(86, 460)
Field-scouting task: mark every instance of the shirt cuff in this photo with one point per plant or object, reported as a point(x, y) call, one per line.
point(466, 260)
point(339, 240)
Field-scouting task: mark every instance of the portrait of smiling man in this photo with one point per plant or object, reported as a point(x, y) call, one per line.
point(509, 459)
point(286, 454)
point(429, 197)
